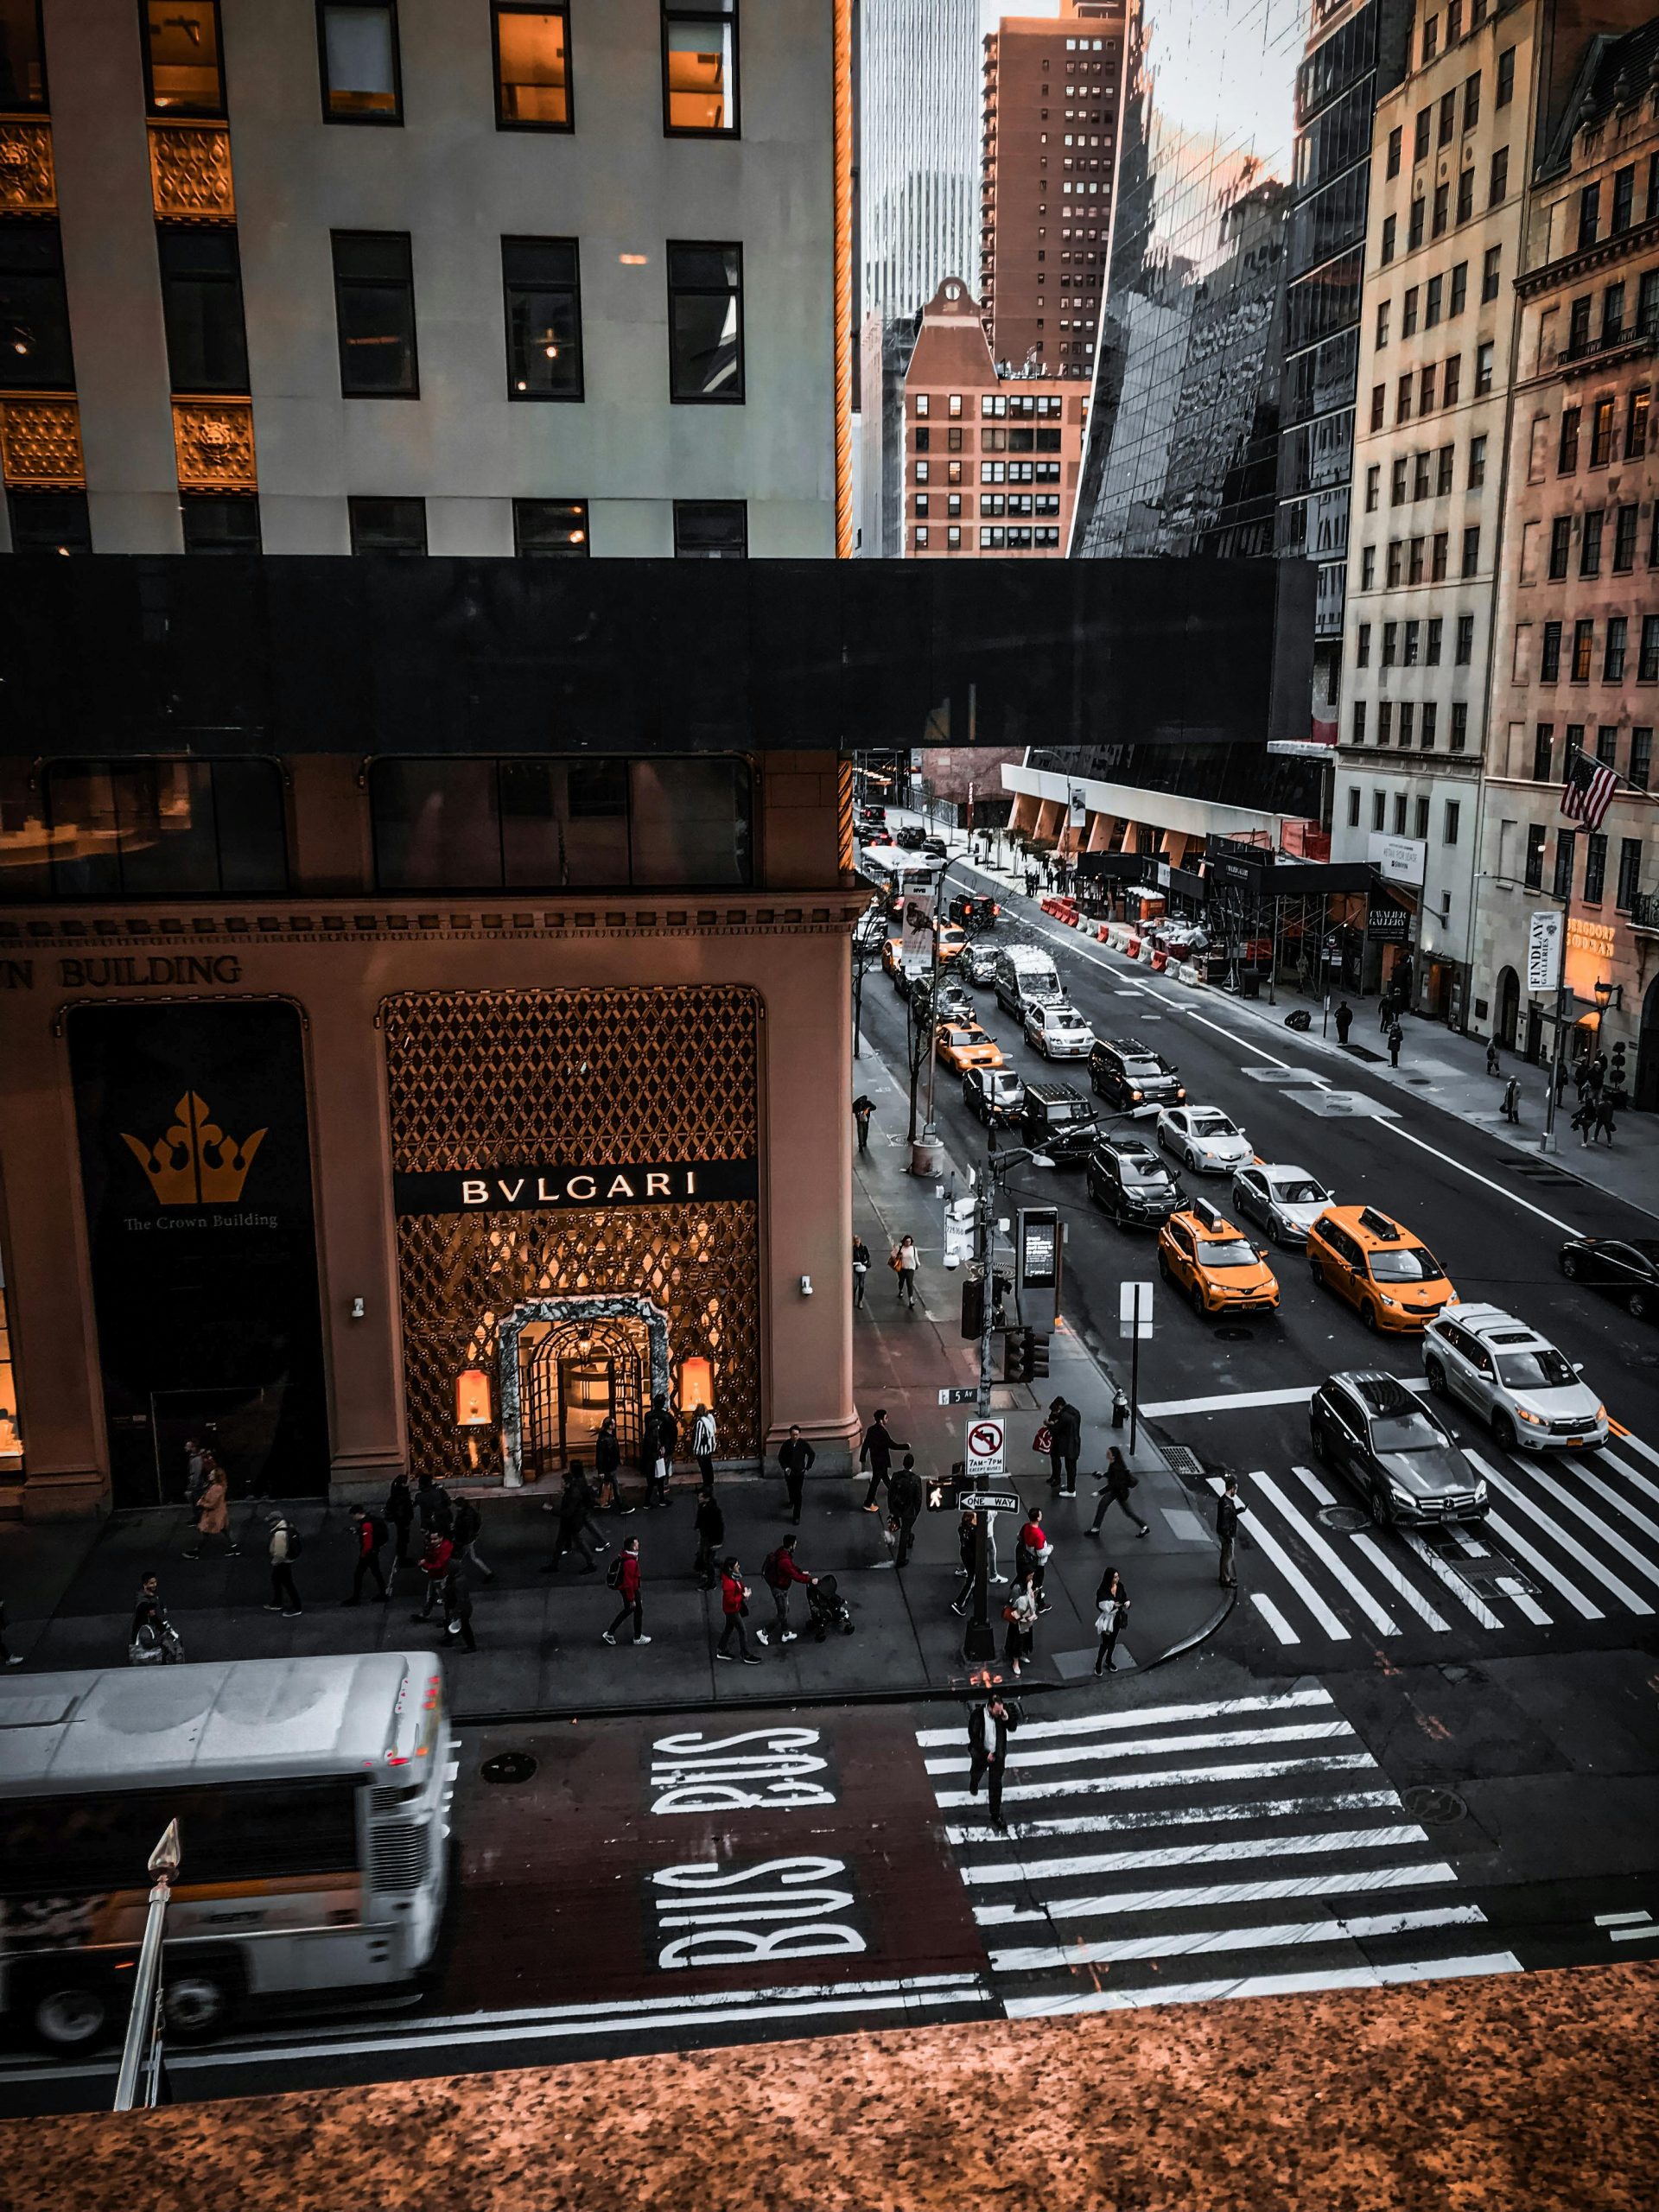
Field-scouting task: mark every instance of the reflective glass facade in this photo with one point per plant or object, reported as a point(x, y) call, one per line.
point(919, 148)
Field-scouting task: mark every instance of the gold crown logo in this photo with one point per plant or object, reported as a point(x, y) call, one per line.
point(195, 1163)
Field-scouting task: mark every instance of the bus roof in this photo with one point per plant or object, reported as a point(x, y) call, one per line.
point(233, 1720)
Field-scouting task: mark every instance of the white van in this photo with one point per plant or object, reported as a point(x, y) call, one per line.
point(1024, 975)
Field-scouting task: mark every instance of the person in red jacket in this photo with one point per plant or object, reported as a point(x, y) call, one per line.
point(435, 1566)
point(627, 1585)
point(782, 1573)
point(733, 1597)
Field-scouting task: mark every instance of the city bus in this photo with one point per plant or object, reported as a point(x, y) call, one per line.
point(311, 1796)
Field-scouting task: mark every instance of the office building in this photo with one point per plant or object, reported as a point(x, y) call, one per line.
point(918, 95)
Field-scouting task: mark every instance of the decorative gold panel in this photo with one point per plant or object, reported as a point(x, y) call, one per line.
point(214, 439)
point(479, 1077)
point(28, 184)
point(190, 172)
point(40, 445)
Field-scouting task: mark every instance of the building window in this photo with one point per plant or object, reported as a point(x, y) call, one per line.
point(1458, 739)
point(532, 67)
point(1506, 92)
point(1500, 184)
point(1590, 544)
point(1389, 226)
point(1395, 138)
point(921, 540)
point(1373, 487)
point(1476, 463)
point(1353, 808)
point(1420, 817)
point(1483, 355)
point(1368, 568)
point(1629, 873)
point(374, 308)
point(921, 402)
point(357, 46)
point(1383, 323)
point(34, 351)
point(1451, 819)
point(1442, 210)
point(165, 828)
point(1438, 551)
point(1459, 289)
point(712, 530)
point(49, 522)
point(1413, 641)
point(216, 525)
point(201, 307)
point(184, 68)
point(1414, 560)
point(1595, 868)
point(1414, 224)
point(1647, 667)
point(1363, 648)
point(1567, 459)
point(546, 822)
point(1601, 433)
point(1624, 199)
point(22, 58)
point(388, 525)
point(1379, 401)
point(1466, 646)
point(1470, 552)
point(1397, 571)
point(1431, 654)
point(1385, 722)
point(1536, 835)
point(700, 69)
point(1550, 669)
point(1561, 539)
point(1433, 296)
point(1578, 326)
point(1543, 751)
point(545, 530)
point(1419, 134)
point(1612, 656)
point(1398, 814)
point(1564, 849)
point(1465, 192)
point(705, 323)
point(1454, 376)
point(1472, 101)
point(544, 303)
point(1636, 424)
point(1402, 399)
point(1607, 744)
point(1408, 312)
point(1358, 729)
point(1390, 644)
point(1584, 639)
point(1379, 803)
point(1397, 481)
point(1613, 314)
point(1430, 727)
point(953, 540)
point(1640, 756)
point(1589, 215)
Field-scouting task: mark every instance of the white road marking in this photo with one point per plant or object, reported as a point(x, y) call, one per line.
point(1142, 1747)
point(1274, 1620)
point(1198, 1854)
point(1329, 1881)
point(1630, 1598)
point(1632, 1513)
point(1292, 1574)
point(1470, 1599)
point(1193, 1942)
point(1364, 1541)
point(1098, 1785)
point(1148, 1716)
point(1635, 1444)
point(1627, 1551)
point(1237, 1401)
point(1551, 1573)
point(1261, 1985)
point(1176, 1816)
point(1378, 1615)
point(1620, 1919)
point(1629, 1473)
point(1321, 1495)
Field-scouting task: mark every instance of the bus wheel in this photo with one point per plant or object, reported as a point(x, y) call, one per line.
point(200, 2001)
point(72, 2015)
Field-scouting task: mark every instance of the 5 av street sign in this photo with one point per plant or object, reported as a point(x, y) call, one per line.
point(964, 1394)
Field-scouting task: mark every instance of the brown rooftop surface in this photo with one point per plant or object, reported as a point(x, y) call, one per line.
point(1516, 2093)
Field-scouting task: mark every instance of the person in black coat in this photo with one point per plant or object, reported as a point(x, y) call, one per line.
point(904, 1503)
point(1345, 1021)
point(968, 1548)
point(400, 1510)
point(607, 1462)
point(876, 1453)
point(1111, 1610)
point(795, 1456)
point(436, 1507)
point(1229, 1506)
point(988, 1725)
point(1115, 1483)
point(1064, 1443)
point(458, 1612)
point(574, 1502)
point(711, 1525)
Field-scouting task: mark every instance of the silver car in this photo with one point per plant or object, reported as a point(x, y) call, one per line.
point(1058, 1031)
point(1287, 1201)
point(1532, 1398)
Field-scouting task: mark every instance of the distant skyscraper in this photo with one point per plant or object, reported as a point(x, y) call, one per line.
point(918, 133)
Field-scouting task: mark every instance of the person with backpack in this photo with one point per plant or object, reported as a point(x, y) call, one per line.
point(399, 1515)
point(780, 1573)
point(710, 1524)
point(795, 1456)
point(734, 1603)
point(703, 1448)
point(468, 1527)
point(286, 1545)
point(607, 1466)
point(622, 1575)
point(153, 1641)
point(1115, 1483)
point(1032, 1553)
point(434, 1564)
point(435, 1506)
point(372, 1538)
point(458, 1610)
point(904, 1504)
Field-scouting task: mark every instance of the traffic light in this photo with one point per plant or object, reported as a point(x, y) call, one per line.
point(1036, 1353)
point(973, 1307)
point(1015, 1359)
point(939, 1492)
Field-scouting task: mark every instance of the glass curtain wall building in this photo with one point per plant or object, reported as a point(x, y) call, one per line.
point(919, 150)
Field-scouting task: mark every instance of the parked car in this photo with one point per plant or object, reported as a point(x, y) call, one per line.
point(1125, 1176)
point(1058, 1031)
point(1392, 1450)
point(1531, 1396)
point(994, 1095)
point(1202, 1139)
point(1128, 1073)
point(1287, 1201)
point(1628, 1271)
point(1059, 1121)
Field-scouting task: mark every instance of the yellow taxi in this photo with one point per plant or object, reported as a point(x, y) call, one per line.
point(1215, 1264)
point(1390, 1276)
point(964, 1045)
point(893, 953)
point(953, 942)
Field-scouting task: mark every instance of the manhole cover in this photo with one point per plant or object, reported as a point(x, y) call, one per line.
point(1236, 1336)
point(1343, 1518)
point(1434, 1807)
point(508, 1767)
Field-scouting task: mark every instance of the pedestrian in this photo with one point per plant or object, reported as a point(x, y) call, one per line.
point(573, 1505)
point(1111, 1610)
point(1561, 1081)
point(988, 1725)
point(436, 1555)
point(780, 1573)
point(968, 1550)
point(1032, 1552)
point(623, 1576)
point(1031, 881)
point(1598, 1073)
point(659, 1445)
point(398, 1512)
point(1064, 1443)
point(213, 1514)
point(149, 1592)
point(795, 1456)
point(1512, 1099)
point(1115, 1483)
point(458, 1610)
point(876, 1453)
point(467, 1528)
point(151, 1641)
point(195, 1470)
point(1228, 1509)
point(607, 1466)
point(1584, 1121)
point(1396, 1039)
point(1604, 1126)
point(863, 1108)
point(433, 1506)
point(904, 1503)
point(1020, 1615)
point(1494, 1062)
point(711, 1525)
point(1345, 1021)
point(861, 1269)
point(8, 1656)
point(734, 1603)
point(904, 1262)
point(285, 1547)
point(371, 1533)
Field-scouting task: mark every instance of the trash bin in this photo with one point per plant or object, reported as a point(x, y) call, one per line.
point(1249, 983)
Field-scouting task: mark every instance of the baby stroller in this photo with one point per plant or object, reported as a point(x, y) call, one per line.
point(827, 1608)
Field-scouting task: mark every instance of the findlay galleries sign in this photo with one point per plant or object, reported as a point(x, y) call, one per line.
point(543, 1187)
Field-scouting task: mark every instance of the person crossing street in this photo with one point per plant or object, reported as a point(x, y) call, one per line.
point(989, 1728)
point(623, 1575)
point(876, 1453)
point(1228, 1509)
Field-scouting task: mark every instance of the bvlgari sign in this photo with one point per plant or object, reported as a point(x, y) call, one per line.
point(544, 1187)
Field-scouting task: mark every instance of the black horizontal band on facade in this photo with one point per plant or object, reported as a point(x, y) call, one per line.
point(548, 1187)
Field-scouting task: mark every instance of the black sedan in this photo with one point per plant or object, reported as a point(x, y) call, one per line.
point(1628, 1272)
point(1395, 1451)
point(912, 836)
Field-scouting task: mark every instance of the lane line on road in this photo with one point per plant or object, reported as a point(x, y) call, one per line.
point(1148, 1747)
point(1176, 1816)
point(1630, 1600)
point(1070, 1866)
point(1203, 1897)
point(1274, 1620)
point(1264, 1985)
point(1586, 1607)
point(1378, 1615)
point(1099, 1785)
point(1221, 1708)
point(1193, 1942)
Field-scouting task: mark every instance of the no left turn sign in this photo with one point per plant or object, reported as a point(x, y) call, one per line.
point(983, 1440)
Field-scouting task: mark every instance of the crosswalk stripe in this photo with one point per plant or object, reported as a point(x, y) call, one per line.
point(1631, 1474)
point(1196, 1854)
point(1552, 1574)
point(1378, 1615)
point(1629, 1598)
point(1633, 1513)
point(1635, 1444)
point(1471, 1599)
point(1100, 1785)
point(1292, 1574)
point(1149, 1716)
point(1181, 1943)
point(1364, 1541)
point(1511, 1585)
point(1274, 1620)
point(1261, 1985)
point(1141, 1747)
point(1176, 1816)
point(1333, 1881)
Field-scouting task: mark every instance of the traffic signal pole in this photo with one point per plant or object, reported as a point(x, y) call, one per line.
point(979, 1639)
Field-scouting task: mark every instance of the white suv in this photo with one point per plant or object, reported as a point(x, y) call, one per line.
point(1532, 1397)
point(1059, 1032)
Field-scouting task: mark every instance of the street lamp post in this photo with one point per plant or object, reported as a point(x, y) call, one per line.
point(925, 1159)
point(144, 2020)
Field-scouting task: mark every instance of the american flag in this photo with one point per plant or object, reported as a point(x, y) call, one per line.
point(1588, 791)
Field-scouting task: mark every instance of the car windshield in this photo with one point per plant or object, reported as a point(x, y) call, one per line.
point(1142, 1170)
point(960, 1037)
point(1212, 1125)
point(1068, 1110)
point(1412, 1263)
point(1238, 1254)
point(1299, 1190)
point(1406, 1431)
point(1142, 1070)
point(1542, 1369)
point(1005, 1083)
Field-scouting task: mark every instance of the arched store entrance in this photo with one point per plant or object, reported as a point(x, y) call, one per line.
point(565, 1363)
point(1508, 1008)
point(1646, 1094)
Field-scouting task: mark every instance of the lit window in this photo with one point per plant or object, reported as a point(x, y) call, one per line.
point(532, 67)
point(550, 529)
point(184, 70)
point(700, 68)
point(544, 307)
point(358, 45)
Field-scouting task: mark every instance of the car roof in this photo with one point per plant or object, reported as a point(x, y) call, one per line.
point(1494, 1326)
point(1133, 1047)
point(1132, 1147)
point(1218, 1231)
point(1048, 1092)
point(1272, 1168)
point(1378, 1391)
point(1373, 1228)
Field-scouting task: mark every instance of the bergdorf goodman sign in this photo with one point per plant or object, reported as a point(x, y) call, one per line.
point(541, 1186)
